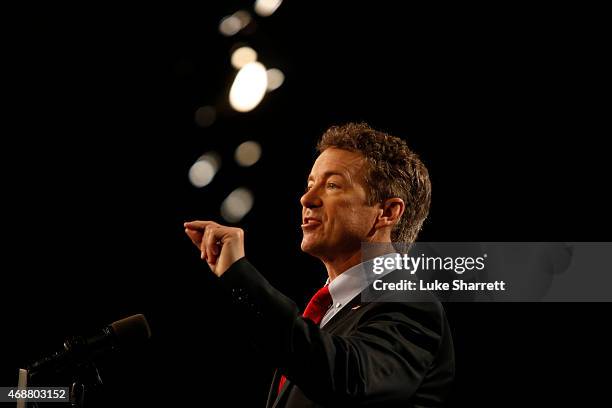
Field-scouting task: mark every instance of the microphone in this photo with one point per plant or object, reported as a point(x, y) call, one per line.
point(128, 332)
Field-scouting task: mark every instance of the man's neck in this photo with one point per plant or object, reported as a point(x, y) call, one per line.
point(335, 267)
point(340, 263)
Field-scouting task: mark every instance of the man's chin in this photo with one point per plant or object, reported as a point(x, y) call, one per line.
point(305, 247)
point(309, 247)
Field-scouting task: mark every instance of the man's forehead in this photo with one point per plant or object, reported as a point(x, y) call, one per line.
point(337, 161)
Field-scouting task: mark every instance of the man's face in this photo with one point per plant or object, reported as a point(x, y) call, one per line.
point(336, 217)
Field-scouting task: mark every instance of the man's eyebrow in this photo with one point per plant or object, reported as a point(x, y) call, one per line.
point(329, 173)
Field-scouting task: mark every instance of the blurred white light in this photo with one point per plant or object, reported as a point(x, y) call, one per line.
point(243, 56)
point(201, 173)
point(275, 78)
point(266, 8)
point(231, 25)
point(205, 116)
point(204, 169)
point(237, 205)
point(244, 17)
point(249, 87)
point(248, 153)
point(213, 158)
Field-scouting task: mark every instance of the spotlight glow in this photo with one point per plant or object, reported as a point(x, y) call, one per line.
point(237, 204)
point(204, 169)
point(243, 56)
point(249, 87)
point(231, 25)
point(266, 8)
point(275, 78)
point(248, 153)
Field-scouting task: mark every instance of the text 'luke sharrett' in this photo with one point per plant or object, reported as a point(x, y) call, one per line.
point(457, 285)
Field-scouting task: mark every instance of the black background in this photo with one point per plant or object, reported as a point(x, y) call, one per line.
point(504, 104)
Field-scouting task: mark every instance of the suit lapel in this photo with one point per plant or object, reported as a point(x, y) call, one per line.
point(273, 389)
point(338, 317)
point(272, 400)
point(273, 397)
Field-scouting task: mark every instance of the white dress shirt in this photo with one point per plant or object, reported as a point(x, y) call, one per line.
point(351, 283)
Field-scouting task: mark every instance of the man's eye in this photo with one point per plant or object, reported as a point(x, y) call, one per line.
point(332, 185)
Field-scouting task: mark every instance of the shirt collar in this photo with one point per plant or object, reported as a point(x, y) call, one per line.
point(354, 280)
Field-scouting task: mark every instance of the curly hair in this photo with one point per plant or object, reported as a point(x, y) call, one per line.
point(393, 170)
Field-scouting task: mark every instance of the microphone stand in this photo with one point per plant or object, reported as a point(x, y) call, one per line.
point(85, 375)
point(87, 378)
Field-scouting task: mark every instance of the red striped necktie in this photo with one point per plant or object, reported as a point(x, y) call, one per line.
point(316, 309)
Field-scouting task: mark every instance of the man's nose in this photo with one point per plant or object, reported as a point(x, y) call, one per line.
point(311, 199)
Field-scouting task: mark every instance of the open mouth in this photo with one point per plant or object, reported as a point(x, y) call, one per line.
point(310, 223)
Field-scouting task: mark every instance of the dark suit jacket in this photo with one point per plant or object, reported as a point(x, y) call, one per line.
point(375, 354)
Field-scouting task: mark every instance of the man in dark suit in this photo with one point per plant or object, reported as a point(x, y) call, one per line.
point(365, 187)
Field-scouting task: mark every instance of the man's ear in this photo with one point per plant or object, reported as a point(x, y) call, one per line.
point(391, 211)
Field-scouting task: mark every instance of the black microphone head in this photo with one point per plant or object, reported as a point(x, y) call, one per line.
point(131, 330)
